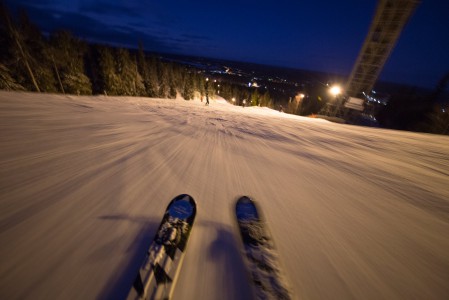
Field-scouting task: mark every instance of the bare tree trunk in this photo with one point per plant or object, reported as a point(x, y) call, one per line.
point(16, 38)
point(14, 35)
point(57, 74)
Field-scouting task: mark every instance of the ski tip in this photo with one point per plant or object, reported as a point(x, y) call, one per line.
point(244, 200)
point(246, 208)
point(183, 207)
point(184, 197)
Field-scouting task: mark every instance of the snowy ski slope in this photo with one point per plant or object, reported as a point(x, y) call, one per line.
point(356, 213)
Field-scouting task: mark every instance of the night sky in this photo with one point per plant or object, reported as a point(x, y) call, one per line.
point(324, 35)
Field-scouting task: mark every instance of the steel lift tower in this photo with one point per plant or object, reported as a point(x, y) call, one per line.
point(389, 20)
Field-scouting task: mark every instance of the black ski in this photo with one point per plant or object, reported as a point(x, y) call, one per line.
point(158, 273)
point(260, 253)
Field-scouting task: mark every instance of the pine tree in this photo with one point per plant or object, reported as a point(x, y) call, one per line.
point(244, 96)
point(68, 54)
point(226, 91)
point(109, 81)
point(15, 55)
point(436, 121)
point(188, 92)
point(152, 85)
point(142, 69)
point(124, 71)
point(196, 87)
point(173, 81)
point(201, 80)
point(7, 82)
point(140, 85)
point(164, 80)
point(93, 69)
point(255, 97)
point(266, 100)
point(36, 54)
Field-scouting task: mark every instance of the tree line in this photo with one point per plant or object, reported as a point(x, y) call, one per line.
point(411, 109)
point(63, 63)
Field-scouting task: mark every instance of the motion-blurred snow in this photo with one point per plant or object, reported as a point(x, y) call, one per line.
point(356, 213)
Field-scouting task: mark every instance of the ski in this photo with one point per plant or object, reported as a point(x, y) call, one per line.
point(158, 273)
point(260, 253)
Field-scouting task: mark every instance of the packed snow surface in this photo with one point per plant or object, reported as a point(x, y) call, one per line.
point(355, 213)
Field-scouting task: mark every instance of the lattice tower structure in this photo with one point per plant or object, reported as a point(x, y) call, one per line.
point(389, 20)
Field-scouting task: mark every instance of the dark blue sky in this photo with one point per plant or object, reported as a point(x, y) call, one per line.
point(324, 35)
